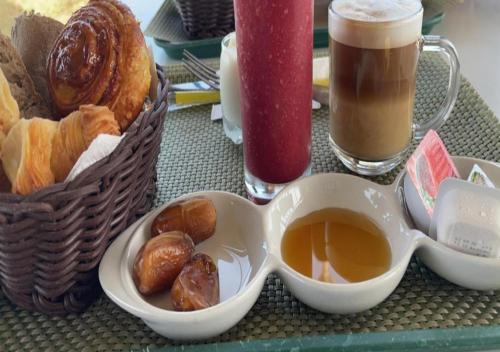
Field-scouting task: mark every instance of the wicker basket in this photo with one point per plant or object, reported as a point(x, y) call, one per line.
point(51, 242)
point(206, 18)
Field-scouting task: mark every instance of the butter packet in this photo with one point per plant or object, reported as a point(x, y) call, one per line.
point(428, 166)
point(467, 218)
point(479, 177)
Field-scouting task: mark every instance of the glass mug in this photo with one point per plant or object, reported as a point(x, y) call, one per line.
point(374, 52)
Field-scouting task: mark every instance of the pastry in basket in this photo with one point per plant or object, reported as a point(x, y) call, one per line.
point(100, 58)
point(75, 133)
point(39, 152)
point(21, 86)
point(26, 154)
point(33, 36)
point(9, 111)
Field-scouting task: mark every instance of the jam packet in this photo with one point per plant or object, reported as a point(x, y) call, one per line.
point(428, 166)
point(479, 177)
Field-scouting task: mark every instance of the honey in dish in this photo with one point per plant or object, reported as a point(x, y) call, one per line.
point(336, 245)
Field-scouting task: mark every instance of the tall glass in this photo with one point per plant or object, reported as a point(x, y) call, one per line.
point(275, 43)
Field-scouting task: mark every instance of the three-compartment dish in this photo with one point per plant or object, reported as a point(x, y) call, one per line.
point(247, 247)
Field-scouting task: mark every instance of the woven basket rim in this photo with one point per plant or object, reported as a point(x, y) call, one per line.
point(79, 181)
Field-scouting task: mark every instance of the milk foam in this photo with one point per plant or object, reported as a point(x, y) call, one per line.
point(376, 10)
point(375, 24)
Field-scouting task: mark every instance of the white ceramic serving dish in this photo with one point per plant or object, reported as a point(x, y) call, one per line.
point(247, 247)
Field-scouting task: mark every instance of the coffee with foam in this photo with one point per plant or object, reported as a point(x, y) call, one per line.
point(374, 49)
point(375, 24)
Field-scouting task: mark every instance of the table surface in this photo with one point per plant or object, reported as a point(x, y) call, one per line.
point(145, 13)
point(472, 25)
point(457, 318)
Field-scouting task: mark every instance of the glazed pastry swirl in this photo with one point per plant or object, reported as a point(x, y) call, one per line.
point(100, 58)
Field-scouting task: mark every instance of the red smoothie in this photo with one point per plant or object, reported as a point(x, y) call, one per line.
point(275, 43)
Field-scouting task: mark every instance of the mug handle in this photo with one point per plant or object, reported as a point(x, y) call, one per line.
point(436, 43)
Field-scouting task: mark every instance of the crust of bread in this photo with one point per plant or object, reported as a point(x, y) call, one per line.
point(21, 85)
point(33, 36)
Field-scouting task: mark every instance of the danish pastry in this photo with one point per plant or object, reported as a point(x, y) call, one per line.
point(100, 58)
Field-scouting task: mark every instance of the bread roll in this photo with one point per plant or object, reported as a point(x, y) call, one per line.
point(33, 36)
point(21, 86)
point(100, 58)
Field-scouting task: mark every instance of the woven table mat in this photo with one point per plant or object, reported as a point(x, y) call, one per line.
point(197, 156)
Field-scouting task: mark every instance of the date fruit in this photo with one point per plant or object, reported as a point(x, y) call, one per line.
point(197, 286)
point(195, 216)
point(160, 260)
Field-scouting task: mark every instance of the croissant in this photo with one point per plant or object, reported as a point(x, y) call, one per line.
point(75, 133)
point(26, 155)
point(9, 110)
point(100, 58)
point(40, 152)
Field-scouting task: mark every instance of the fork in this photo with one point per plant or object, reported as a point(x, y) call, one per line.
point(201, 70)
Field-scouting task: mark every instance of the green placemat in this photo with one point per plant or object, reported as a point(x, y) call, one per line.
point(197, 156)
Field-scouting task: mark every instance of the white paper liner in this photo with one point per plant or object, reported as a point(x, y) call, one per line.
point(102, 146)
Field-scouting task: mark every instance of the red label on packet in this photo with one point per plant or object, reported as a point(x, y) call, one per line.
point(428, 166)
